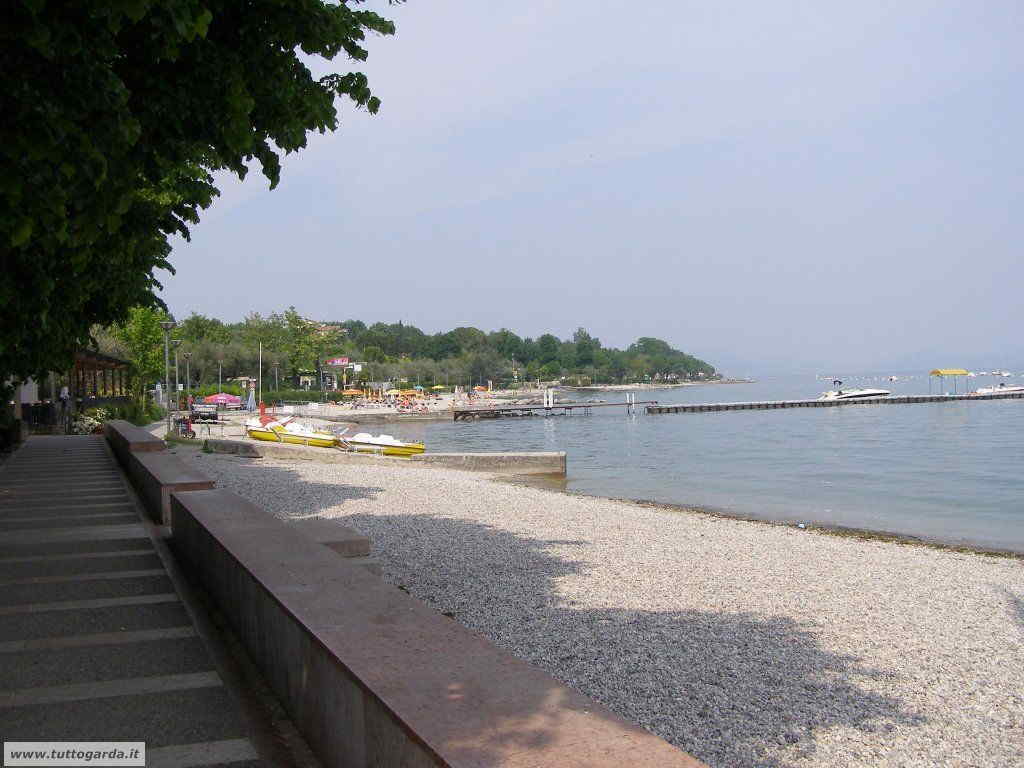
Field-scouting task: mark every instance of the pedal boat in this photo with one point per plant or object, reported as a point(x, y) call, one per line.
point(287, 431)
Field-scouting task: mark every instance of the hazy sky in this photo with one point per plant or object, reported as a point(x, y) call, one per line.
point(770, 186)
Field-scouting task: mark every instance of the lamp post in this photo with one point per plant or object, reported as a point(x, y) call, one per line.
point(220, 374)
point(188, 377)
point(167, 325)
point(276, 387)
point(176, 343)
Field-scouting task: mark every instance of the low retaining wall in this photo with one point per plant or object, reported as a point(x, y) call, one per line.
point(125, 438)
point(256, 449)
point(370, 675)
point(156, 475)
point(541, 463)
point(340, 539)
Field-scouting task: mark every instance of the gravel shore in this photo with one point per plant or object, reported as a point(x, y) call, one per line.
point(743, 643)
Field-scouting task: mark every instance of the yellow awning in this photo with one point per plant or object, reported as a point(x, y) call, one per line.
point(949, 372)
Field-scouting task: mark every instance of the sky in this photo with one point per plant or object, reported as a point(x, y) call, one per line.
point(773, 187)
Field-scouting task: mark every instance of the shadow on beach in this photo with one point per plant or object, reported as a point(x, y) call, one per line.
point(1016, 604)
point(733, 689)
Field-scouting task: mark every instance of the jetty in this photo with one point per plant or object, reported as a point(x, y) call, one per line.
point(565, 409)
point(771, 404)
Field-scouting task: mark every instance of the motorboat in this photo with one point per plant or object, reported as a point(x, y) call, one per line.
point(854, 394)
point(287, 430)
point(386, 445)
point(999, 389)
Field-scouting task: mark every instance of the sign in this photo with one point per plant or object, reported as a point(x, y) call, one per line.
point(338, 361)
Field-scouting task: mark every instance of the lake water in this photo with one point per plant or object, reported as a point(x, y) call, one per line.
point(948, 471)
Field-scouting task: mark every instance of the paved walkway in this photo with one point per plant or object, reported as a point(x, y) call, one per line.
point(95, 641)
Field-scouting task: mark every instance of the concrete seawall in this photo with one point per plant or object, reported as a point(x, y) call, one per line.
point(541, 463)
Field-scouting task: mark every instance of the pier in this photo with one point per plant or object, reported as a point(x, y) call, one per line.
point(771, 404)
point(567, 409)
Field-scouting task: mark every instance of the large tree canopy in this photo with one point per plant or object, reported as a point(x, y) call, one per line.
point(116, 113)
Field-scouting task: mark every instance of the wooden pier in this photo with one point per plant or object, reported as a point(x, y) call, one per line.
point(567, 409)
point(771, 404)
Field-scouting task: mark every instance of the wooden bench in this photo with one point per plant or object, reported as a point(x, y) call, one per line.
point(372, 676)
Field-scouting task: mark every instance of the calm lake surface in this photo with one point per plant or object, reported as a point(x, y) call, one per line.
point(948, 471)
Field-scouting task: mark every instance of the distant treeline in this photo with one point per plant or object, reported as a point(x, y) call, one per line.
point(293, 346)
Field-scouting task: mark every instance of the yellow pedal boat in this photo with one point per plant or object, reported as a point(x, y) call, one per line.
point(289, 432)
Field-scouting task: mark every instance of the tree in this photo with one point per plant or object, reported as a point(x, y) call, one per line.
point(586, 345)
point(548, 347)
point(196, 328)
point(142, 338)
point(116, 116)
point(485, 364)
point(506, 344)
point(301, 342)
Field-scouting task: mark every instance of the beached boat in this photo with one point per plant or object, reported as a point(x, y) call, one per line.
point(853, 394)
point(386, 445)
point(288, 431)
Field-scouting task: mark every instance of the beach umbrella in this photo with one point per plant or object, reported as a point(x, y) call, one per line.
point(251, 405)
point(222, 398)
point(418, 387)
point(440, 386)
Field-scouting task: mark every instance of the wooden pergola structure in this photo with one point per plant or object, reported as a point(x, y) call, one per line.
point(97, 375)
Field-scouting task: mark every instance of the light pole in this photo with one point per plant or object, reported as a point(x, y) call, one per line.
point(188, 377)
point(176, 343)
point(220, 374)
point(167, 325)
point(276, 387)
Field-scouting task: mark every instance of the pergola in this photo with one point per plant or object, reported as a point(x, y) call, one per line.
point(97, 375)
point(942, 373)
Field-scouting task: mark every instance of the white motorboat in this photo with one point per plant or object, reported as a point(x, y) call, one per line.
point(999, 389)
point(853, 394)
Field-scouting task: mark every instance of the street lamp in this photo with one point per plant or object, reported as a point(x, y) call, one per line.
point(188, 376)
point(176, 343)
point(167, 325)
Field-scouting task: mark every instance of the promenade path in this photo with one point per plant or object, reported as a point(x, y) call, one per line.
point(96, 640)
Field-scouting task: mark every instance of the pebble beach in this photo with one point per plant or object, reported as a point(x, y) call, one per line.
point(743, 643)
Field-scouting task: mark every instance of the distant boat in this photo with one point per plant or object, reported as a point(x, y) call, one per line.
point(854, 394)
point(998, 390)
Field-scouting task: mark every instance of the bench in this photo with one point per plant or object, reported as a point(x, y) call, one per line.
point(372, 676)
point(125, 438)
point(156, 475)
